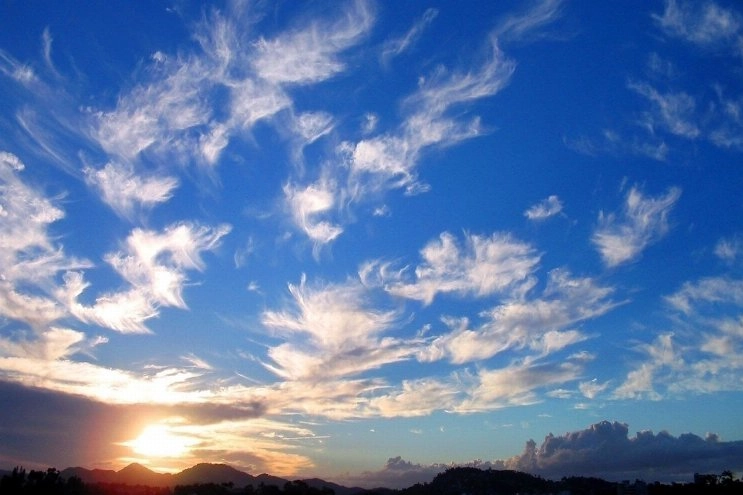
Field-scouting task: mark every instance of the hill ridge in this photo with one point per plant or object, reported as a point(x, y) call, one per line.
point(203, 472)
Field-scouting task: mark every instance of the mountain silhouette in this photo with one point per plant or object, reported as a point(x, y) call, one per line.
point(214, 473)
point(137, 474)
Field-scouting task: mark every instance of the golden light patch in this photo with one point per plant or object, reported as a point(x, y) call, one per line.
point(157, 441)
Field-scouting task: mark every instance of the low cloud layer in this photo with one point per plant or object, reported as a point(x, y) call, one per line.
point(604, 450)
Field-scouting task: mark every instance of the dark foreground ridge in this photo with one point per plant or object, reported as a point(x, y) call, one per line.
point(221, 479)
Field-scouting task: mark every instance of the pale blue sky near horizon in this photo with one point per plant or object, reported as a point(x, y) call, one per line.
point(266, 233)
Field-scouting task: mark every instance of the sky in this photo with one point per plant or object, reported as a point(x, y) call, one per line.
point(366, 241)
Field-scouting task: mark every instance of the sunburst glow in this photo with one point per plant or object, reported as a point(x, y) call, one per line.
point(157, 441)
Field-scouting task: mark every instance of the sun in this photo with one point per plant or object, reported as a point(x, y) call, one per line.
point(156, 441)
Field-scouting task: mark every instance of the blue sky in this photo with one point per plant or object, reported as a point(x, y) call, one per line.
point(369, 240)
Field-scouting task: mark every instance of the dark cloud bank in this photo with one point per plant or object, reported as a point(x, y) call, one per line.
point(76, 431)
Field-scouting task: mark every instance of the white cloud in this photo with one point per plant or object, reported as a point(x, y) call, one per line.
point(397, 46)
point(592, 388)
point(154, 264)
point(705, 24)
point(516, 385)
point(371, 167)
point(47, 40)
point(12, 68)
point(707, 291)
point(703, 354)
point(482, 267)
point(124, 191)
point(643, 221)
point(180, 113)
point(53, 343)
point(729, 249)
point(306, 204)
point(519, 26)
point(29, 258)
point(310, 54)
point(255, 100)
point(541, 324)
point(313, 125)
point(369, 123)
point(157, 115)
point(388, 161)
point(674, 112)
point(419, 397)
point(546, 208)
point(332, 333)
point(112, 386)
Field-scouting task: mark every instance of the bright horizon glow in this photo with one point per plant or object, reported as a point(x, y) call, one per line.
point(366, 240)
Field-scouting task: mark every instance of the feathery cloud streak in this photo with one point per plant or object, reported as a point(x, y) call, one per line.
point(643, 221)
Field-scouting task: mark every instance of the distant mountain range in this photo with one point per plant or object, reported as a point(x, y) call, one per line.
point(137, 474)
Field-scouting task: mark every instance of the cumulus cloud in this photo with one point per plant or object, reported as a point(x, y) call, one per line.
point(397, 473)
point(546, 208)
point(606, 451)
point(643, 221)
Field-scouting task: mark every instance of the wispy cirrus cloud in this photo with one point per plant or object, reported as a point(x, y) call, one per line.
point(308, 204)
point(375, 165)
point(124, 191)
point(396, 46)
point(518, 26)
point(546, 208)
point(642, 221)
point(674, 112)
point(706, 24)
point(516, 385)
point(30, 258)
point(369, 168)
point(729, 249)
point(481, 267)
point(310, 53)
point(154, 264)
point(332, 333)
point(543, 325)
point(702, 353)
